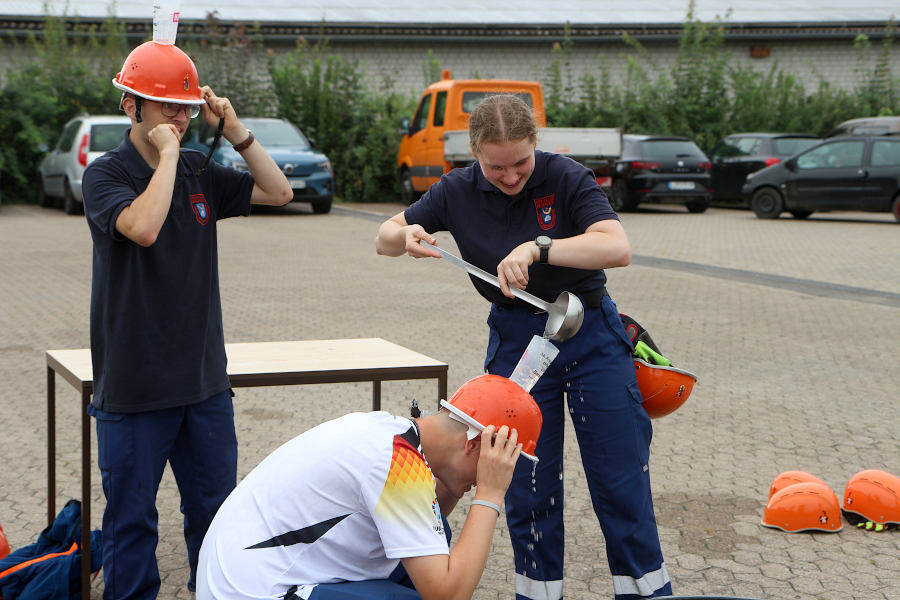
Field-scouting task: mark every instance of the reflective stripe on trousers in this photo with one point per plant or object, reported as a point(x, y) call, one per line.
point(645, 586)
point(538, 590)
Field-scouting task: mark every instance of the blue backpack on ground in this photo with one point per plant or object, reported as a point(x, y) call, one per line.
point(50, 569)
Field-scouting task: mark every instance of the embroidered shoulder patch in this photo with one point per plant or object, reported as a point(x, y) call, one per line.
point(546, 214)
point(200, 208)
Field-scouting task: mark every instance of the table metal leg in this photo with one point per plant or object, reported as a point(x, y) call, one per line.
point(85, 497)
point(376, 395)
point(51, 445)
point(442, 388)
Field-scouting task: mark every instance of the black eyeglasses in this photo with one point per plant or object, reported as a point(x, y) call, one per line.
point(171, 109)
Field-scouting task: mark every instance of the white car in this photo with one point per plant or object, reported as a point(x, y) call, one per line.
point(83, 139)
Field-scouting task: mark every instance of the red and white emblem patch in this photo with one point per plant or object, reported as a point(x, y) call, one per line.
point(200, 208)
point(546, 214)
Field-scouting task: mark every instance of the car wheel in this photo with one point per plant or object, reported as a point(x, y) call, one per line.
point(72, 206)
point(895, 207)
point(767, 203)
point(408, 194)
point(43, 199)
point(801, 214)
point(620, 197)
point(697, 206)
point(322, 207)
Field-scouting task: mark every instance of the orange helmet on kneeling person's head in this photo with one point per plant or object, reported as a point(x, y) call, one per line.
point(160, 72)
point(872, 495)
point(494, 400)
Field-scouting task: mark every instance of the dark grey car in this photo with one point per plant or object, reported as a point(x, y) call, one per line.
point(842, 173)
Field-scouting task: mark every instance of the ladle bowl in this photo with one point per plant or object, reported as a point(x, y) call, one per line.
point(565, 321)
point(564, 317)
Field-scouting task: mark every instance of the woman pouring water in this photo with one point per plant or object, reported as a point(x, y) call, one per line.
point(540, 221)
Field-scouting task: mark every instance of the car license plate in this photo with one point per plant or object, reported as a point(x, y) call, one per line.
point(298, 184)
point(681, 185)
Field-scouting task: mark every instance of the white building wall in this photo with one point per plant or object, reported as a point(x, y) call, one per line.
point(402, 64)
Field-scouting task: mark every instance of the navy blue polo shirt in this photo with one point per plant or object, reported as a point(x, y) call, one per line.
point(156, 316)
point(561, 199)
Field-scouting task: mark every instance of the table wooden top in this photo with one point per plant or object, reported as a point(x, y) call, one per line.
point(255, 359)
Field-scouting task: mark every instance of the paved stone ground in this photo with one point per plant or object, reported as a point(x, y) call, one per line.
point(793, 328)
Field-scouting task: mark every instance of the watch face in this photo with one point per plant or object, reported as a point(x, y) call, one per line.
point(543, 240)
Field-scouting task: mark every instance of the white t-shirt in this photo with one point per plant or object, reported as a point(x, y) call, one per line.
point(343, 501)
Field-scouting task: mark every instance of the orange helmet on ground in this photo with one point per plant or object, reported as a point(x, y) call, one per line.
point(806, 506)
point(663, 389)
point(874, 496)
point(494, 400)
point(160, 72)
point(783, 480)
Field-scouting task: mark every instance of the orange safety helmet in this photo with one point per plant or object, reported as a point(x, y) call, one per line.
point(494, 400)
point(663, 389)
point(4, 545)
point(160, 72)
point(783, 480)
point(805, 506)
point(872, 495)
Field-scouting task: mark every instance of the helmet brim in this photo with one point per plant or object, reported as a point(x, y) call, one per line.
point(125, 88)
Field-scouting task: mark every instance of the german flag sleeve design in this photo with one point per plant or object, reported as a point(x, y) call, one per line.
point(408, 497)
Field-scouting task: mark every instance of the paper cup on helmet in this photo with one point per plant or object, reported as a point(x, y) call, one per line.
point(165, 21)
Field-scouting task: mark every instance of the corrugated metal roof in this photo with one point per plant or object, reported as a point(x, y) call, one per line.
point(474, 12)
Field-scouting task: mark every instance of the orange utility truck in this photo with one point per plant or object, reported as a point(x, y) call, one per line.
point(437, 138)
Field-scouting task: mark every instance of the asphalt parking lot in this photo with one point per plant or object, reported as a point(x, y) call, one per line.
point(793, 328)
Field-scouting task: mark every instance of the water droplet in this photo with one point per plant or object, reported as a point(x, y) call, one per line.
point(533, 565)
point(552, 500)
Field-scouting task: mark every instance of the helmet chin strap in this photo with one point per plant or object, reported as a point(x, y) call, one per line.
point(137, 109)
point(212, 147)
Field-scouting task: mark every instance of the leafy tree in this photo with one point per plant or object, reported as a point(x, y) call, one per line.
point(71, 76)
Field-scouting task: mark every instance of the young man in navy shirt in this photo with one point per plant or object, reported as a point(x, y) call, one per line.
point(161, 391)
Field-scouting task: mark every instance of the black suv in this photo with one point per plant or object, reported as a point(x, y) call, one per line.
point(740, 154)
point(660, 169)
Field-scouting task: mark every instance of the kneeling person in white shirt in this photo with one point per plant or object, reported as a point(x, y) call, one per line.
point(346, 502)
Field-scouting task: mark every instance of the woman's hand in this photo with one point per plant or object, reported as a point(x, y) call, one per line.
point(513, 270)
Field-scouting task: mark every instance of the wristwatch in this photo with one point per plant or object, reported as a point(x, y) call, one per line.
point(543, 243)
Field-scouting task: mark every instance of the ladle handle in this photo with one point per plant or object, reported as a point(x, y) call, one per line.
point(485, 276)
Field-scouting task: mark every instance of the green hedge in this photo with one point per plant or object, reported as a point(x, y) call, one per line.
point(703, 97)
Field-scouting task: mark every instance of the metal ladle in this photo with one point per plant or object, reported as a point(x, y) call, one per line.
point(564, 316)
